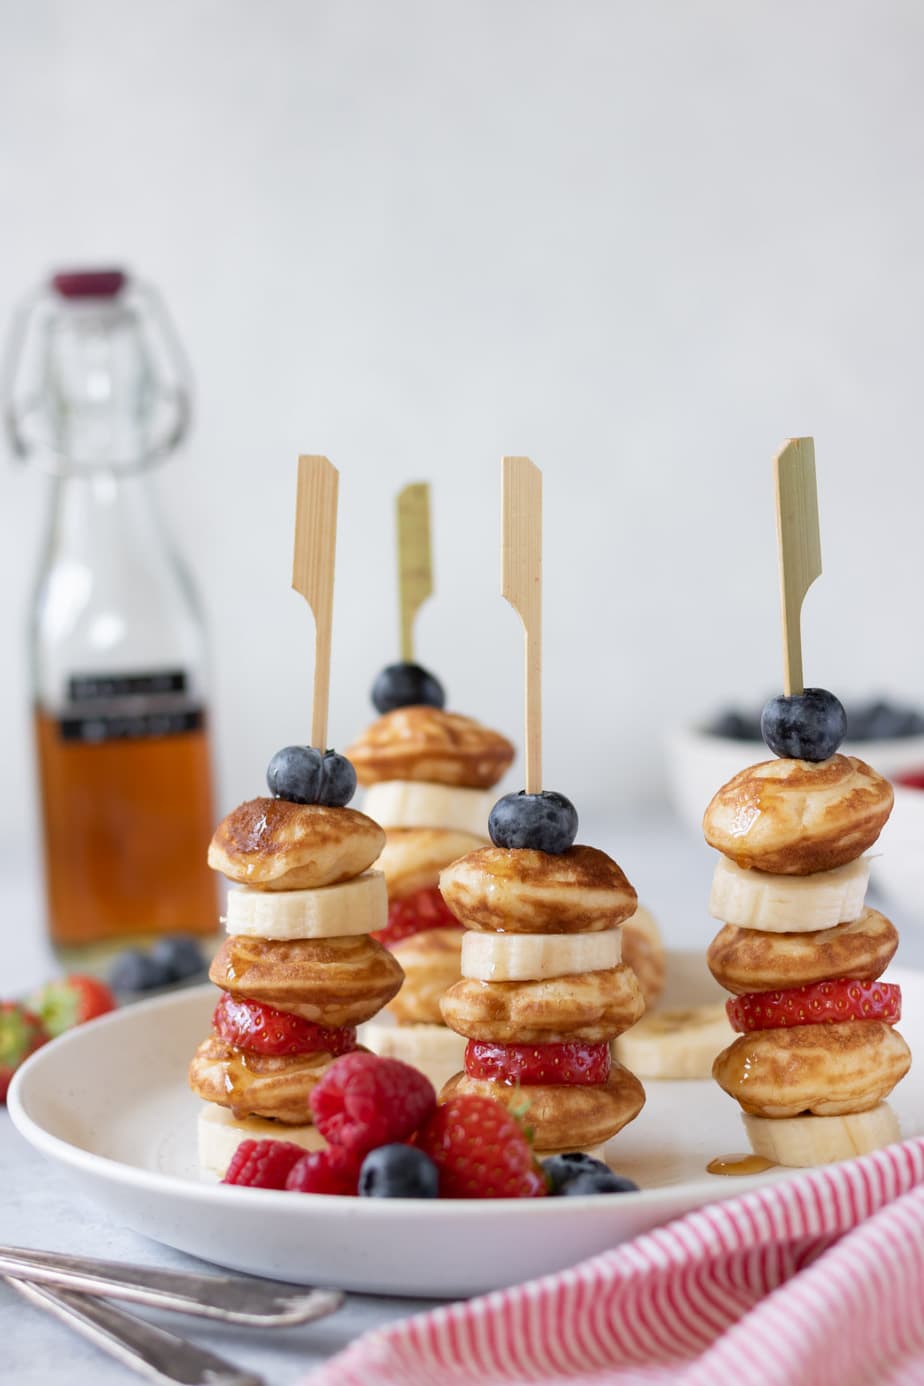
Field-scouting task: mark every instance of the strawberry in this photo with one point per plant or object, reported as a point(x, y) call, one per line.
point(481, 1151)
point(21, 1033)
point(263, 1164)
point(364, 1101)
point(264, 1030)
point(425, 909)
point(70, 1001)
point(818, 1004)
point(568, 1063)
point(330, 1171)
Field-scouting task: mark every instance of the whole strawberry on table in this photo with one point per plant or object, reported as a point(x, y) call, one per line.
point(56, 1006)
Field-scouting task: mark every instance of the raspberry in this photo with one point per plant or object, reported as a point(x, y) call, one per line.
point(820, 1003)
point(331, 1171)
point(570, 1063)
point(263, 1164)
point(364, 1101)
point(264, 1030)
point(425, 909)
point(481, 1151)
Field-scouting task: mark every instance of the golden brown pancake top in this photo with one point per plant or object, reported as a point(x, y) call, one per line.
point(796, 817)
point(426, 743)
point(273, 843)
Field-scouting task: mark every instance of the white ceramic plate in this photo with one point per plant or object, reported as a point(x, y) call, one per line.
point(109, 1102)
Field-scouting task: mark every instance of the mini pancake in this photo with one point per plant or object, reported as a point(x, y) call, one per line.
point(260, 1085)
point(830, 1070)
point(272, 844)
point(430, 962)
point(795, 817)
point(591, 1006)
point(330, 981)
point(563, 1116)
point(744, 960)
point(413, 858)
point(519, 891)
point(426, 743)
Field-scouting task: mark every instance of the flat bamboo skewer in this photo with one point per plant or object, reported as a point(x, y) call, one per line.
point(799, 547)
point(415, 559)
point(521, 584)
point(313, 572)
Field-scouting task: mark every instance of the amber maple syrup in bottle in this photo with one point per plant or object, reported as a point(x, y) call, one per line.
point(97, 395)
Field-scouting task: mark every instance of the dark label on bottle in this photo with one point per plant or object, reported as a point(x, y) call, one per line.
point(89, 688)
point(110, 707)
point(142, 724)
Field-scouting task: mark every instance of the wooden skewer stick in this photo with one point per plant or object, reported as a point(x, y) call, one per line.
point(415, 563)
point(521, 584)
point(799, 545)
point(313, 572)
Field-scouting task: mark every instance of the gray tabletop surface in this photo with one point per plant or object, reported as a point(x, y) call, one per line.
point(38, 1206)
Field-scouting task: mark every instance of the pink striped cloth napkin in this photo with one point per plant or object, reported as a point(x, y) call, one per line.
point(817, 1279)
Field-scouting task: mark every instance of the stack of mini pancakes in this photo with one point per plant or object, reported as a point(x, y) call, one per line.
point(300, 914)
point(802, 954)
point(429, 775)
point(543, 989)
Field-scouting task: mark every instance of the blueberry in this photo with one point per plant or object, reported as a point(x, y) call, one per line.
point(305, 775)
point(598, 1182)
point(135, 971)
point(806, 726)
point(180, 955)
point(406, 685)
point(398, 1171)
point(546, 822)
point(561, 1169)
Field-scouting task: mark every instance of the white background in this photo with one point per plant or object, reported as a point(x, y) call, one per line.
point(642, 243)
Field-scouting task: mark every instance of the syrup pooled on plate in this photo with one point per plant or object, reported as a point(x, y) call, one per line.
point(739, 1164)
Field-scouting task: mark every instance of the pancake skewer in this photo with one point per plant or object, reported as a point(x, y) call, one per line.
point(429, 774)
point(817, 1052)
point(543, 990)
point(299, 970)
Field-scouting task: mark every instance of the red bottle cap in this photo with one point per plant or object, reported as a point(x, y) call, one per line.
point(88, 283)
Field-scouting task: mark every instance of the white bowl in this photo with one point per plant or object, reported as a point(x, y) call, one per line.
point(699, 763)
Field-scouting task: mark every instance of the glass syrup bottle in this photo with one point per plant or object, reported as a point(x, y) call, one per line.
point(97, 393)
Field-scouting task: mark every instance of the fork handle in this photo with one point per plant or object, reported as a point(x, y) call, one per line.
point(152, 1352)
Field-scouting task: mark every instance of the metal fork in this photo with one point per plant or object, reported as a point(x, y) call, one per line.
point(229, 1298)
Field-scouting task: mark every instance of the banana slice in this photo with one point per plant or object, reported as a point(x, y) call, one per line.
point(675, 1044)
point(416, 804)
point(359, 906)
point(220, 1134)
point(788, 904)
point(437, 1051)
point(533, 957)
point(821, 1140)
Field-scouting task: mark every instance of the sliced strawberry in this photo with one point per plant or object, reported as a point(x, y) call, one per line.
point(21, 1033)
point(425, 909)
point(819, 1004)
point(481, 1151)
point(70, 1001)
point(264, 1030)
point(569, 1063)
